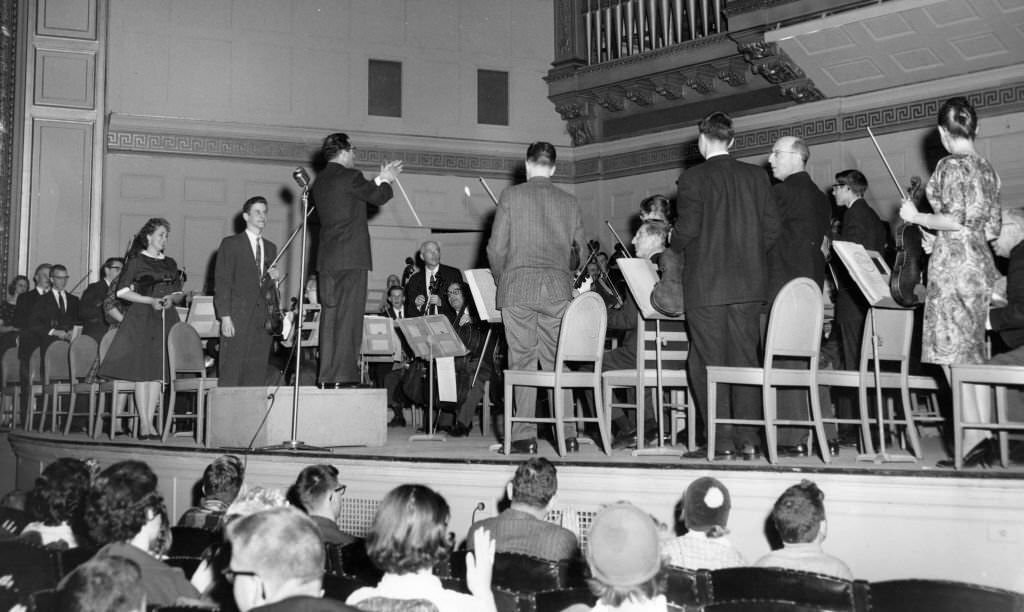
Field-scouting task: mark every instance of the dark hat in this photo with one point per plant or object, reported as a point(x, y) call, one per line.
point(622, 547)
point(706, 504)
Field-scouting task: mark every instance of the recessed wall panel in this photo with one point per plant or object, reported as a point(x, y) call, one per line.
point(65, 78)
point(67, 18)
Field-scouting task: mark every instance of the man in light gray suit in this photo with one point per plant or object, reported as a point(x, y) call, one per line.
point(531, 241)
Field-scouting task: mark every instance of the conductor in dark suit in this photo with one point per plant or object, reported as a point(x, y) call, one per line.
point(727, 222)
point(239, 299)
point(94, 321)
point(425, 290)
point(341, 194)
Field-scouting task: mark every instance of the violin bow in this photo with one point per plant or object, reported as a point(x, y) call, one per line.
point(899, 188)
point(287, 243)
point(408, 201)
point(80, 281)
point(487, 188)
point(617, 238)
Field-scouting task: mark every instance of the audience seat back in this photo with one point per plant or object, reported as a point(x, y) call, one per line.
point(190, 541)
point(44, 601)
point(524, 573)
point(339, 587)
point(918, 595)
point(684, 588)
point(351, 560)
point(32, 568)
point(768, 584)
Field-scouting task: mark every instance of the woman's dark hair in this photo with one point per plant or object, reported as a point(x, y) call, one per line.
point(120, 503)
point(11, 286)
point(409, 531)
point(141, 240)
point(959, 118)
point(798, 512)
point(59, 493)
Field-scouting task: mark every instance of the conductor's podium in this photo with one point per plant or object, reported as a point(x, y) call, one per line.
point(326, 417)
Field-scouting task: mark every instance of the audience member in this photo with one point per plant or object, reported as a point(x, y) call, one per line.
point(408, 538)
point(126, 516)
point(56, 502)
point(625, 563)
point(799, 517)
point(318, 492)
point(277, 561)
point(521, 527)
point(222, 480)
point(110, 584)
point(705, 513)
point(8, 329)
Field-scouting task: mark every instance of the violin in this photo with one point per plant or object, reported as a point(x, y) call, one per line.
point(908, 267)
point(274, 321)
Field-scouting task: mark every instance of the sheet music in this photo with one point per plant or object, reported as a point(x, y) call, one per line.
point(378, 336)
point(641, 275)
point(482, 286)
point(202, 316)
point(869, 270)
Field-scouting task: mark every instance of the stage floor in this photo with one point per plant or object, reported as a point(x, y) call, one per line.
point(476, 449)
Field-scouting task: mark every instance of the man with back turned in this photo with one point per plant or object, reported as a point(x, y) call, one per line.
point(534, 230)
point(341, 194)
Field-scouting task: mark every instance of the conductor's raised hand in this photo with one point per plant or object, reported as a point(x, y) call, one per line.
point(480, 562)
point(389, 171)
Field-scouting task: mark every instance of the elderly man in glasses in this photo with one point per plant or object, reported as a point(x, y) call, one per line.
point(94, 323)
point(277, 563)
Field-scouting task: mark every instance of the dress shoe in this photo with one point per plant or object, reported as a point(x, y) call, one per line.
point(397, 421)
point(797, 450)
point(701, 452)
point(572, 445)
point(981, 455)
point(458, 430)
point(352, 385)
point(527, 446)
point(749, 452)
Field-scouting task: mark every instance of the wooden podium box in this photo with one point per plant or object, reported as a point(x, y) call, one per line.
point(327, 417)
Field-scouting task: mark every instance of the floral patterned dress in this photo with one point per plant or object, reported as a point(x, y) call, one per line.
point(961, 271)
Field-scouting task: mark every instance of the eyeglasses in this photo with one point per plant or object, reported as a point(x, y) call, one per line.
point(230, 574)
point(778, 151)
point(58, 277)
point(838, 186)
point(340, 489)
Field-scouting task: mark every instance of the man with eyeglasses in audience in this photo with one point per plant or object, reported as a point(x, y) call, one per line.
point(277, 563)
point(318, 492)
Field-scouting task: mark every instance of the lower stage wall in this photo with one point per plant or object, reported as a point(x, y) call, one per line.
point(883, 526)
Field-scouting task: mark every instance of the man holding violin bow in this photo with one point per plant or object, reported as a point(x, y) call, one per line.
point(241, 302)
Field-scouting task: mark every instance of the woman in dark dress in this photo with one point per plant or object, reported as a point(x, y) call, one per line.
point(8, 331)
point(151, 283)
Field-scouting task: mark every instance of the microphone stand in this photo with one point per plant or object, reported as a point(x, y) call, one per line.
point(294, 444)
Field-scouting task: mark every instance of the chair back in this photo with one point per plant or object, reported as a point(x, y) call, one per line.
point(769, 584)
point(351, 560)
point(105, 342)
point(794, 325)
point(17, 519)
point(941, 596)
point(57, 365)
point(9, 367)
point(32, 568)
point(524, 573)
point(83, 353)
point(583, 329)
point(340, 587)
point(185, 351)
point(190, 541)
point(387, 604)
point(684, 588)
point(894, 329)
point(309, 330)
point(44, 601)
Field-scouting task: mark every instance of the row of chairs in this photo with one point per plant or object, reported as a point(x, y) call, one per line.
point(794, 331)
point(68, 372)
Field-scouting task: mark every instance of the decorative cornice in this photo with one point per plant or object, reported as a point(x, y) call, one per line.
point(682, 50)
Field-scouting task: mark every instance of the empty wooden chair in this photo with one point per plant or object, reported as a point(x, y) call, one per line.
point(187, 375)
point(82, 356)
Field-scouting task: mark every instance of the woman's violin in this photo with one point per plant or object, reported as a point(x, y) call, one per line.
point(908, 267)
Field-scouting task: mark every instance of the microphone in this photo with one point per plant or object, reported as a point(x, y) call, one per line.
point(301, 177)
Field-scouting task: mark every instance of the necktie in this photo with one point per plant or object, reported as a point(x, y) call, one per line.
point(259, 254)
point(60, 300)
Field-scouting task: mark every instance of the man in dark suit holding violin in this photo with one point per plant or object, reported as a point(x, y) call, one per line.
point(727, 221)
point(243, 261)
point(342, 194)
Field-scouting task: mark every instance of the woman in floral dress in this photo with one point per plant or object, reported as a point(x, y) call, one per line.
point(964, 193)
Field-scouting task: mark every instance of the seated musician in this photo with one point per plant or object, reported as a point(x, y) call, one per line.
point(473, 333)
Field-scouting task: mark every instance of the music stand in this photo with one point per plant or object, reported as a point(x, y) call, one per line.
point(379, 342)
point(431, 337)
point(641, 276)
point(871, 275)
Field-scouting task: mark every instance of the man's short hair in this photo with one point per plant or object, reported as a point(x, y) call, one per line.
point(252, 202)
point(109, 263)
point(279, 544)
point(535, 482)
point(798, 513)
point(800, 148)
point(334, 144)
point(102, 584)
point(397, 288)
point(541, 153)
point(313, 483)
point(717, 126)
point(654, 227)
point(40, 268)
point(56, 267)
point(410, 530)
point(223, 478)
point(854, 179)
